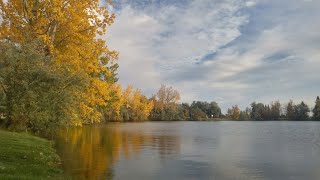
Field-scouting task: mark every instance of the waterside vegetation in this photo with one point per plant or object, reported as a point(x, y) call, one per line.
point(24, 156)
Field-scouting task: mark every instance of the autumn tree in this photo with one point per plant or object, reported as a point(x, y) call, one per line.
point(234, 112)
point(131, 105)
point(139, 106)
point(167, 96)
point(70, 35)
point(165, 104)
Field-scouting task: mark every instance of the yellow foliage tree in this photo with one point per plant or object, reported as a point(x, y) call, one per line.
point(234, 113)
point(140, 106)
point(130, 105)
point(111, 112)
point(70, 32)
point(165, 103)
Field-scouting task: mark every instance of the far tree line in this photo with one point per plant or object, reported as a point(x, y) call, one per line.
point(276, 111)
point(165, 106)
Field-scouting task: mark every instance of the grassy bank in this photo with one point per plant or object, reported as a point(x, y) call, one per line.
point(23, 156)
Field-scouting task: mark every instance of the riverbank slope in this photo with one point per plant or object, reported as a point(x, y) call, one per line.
point(23, 156)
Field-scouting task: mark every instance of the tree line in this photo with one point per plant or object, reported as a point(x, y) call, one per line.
point(165, 106)
point(263, 112)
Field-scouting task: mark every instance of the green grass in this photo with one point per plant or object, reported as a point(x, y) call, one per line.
point(23, 156)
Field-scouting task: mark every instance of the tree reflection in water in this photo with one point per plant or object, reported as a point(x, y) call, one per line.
point(91, 151)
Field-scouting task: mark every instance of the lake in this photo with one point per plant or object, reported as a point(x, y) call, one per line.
point(192, 150)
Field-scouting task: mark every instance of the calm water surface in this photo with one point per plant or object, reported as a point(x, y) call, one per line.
point(192, 150)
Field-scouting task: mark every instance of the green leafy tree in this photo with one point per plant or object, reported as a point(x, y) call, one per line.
point(212, 109)
point(245, 115)
point(197, 114)
point(302, 112)
point(257, 110)
point(291, 114)
point(316, 110)
point(275, 110)
point(34, 96)
point(184, 112)
point(215, 110)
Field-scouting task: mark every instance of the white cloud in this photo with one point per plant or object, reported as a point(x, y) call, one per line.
point(250, 3)
point(152, 45)
point(260, 50)
point(132, 35)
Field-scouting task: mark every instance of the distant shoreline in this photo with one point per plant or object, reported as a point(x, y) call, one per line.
point(210, 120)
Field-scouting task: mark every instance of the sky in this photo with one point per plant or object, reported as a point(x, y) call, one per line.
point(228, 51)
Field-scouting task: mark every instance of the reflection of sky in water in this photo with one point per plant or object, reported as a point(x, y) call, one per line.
point(214, 150)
